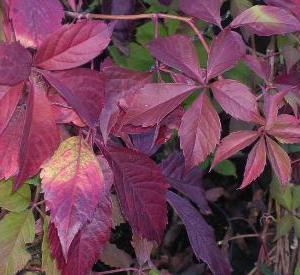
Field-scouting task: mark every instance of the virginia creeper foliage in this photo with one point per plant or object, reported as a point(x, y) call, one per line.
point(91, 129)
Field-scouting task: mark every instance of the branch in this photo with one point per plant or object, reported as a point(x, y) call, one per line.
point(187, 20)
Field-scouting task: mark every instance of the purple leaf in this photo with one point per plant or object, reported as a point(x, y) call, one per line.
point(199, 131)
point(226, 50)
point(201, 235)
point(15, 63)
point(189, 184)
point(207, 10)
point(183, 57)
point(258, 65)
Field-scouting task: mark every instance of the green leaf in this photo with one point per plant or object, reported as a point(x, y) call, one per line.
point(172, 26)
point(282, 195)
point(145, 33)
point(16, 230)
point(202, 54)
point(226, 168)
point(138, 58)
point(154, 272)
point(155, 6)
point(48, 263)
point(284, 226)
point(296, 197)
point(265, 270)
point(297, 226)
point(35, 181)
point(297, 270)
point(15, 202)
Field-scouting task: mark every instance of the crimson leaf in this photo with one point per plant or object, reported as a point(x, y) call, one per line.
point(255, 163)
point(236, 99)
point(73, 183)
point(34, 20)
point(199, 131)
point(226, 50)
point(149, 105)
point(141, 189)
point(40, 136)
point(207, 10)
point(73, 45)
point(267, 20)
point(183, 57)
point(83, 89)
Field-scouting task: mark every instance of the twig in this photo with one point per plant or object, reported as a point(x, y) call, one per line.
point(187, 20)
point(118, 270)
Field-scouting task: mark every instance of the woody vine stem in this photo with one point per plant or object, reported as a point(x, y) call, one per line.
point(187, 20)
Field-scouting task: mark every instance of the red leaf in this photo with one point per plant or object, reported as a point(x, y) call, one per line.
point(40, 136)
point(8, 104)
point(87, 245)
point(34, 20)
point(183, 57)
point(286, 129)
point(73, 45)
point(153, 102)
point(271, 106)
point(207, 10)
point(255, 163)
point(226, 50)
point(15, 63)
point(233, 143)
point(119, 83)
point(199, 131)
point(280, 161)
point(267, 20)
point(10, 141)
point(83, 89)
point(62, 111)
point(258, 65)
point(201, 235)
point(236, 99)
point(141, 189)
point(292, 5)
point(73, 184)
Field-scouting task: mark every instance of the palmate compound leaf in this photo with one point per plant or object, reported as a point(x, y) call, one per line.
point(233, 143)
point(34, 20)
point(200, 234)
point(267, 20)
point(199, 131)
point(83, 89)
point(226, 50)
point(40, 137)
point(236, 99)
point(279, 160)
point(150, 104)
point(141, 189)
point(16, 230)
point(72, 182)
point(15, 63)
point(88, 244)
point(256, 162)
point(10, 141)
point(8, 104)
point(183, 57)
point(73, 45)
point(207, 10)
